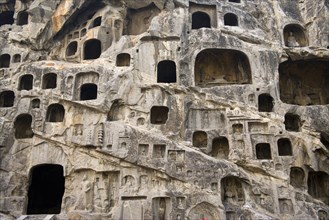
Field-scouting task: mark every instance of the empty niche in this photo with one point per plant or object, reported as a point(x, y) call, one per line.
point(166, 71)
point(143, 149)
point(297, 177)
point(284, 147)
point(286, 206)
point(318, 183)
point(86, 86)
point(324, 138)
point(159, 150)
point(294, 36)
point(46, 190)
point(23, 127)
point(7, 99)
point(231, 191)
point(49, 81)
point(71, 49)
point(215, 67)
point(83, 32)
point(26, 82)
point(231, 19)
point(4, 61)
point(92, 49)
point(140, 19)
point(200, 20)
point(304, 82)
point(7, 16)
point(200, 139)
point(123, 59)
point(55, 113)
point(220, 148)
point(22, 18)
point(159, 114)
point(292, 122)
point(96, 22)
point(235, 1)
point(17, 58)
point(265, 103)
point(35, 103)
point(88, 91)
point(263, 151)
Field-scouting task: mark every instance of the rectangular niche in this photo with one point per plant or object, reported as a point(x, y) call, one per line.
point(203, 16)
point(159, 150)
point(161, 208)
point(140, 19)
point(143, 149)
point(258, 127)
point(286, 206)
point(199, 119)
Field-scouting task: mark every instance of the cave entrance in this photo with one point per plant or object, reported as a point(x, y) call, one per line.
point(88, 91)
point(46, 189)
point(220, 148)
point(263, 151)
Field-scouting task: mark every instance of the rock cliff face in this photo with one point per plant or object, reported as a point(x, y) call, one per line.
point(164, 109)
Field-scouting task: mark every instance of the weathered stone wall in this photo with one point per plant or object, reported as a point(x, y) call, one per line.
point(176, 109)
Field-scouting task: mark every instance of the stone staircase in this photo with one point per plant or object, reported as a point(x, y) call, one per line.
point(37, 217)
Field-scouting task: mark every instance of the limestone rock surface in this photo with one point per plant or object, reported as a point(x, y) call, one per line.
point(164, 109)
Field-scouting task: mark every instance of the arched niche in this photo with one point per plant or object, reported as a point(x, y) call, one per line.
point(318, 185)
point(116, 111)
point(200, 139)
point(5, 61)
point(17, 58)
point(220, 148)
point(123, 59)
point(7, 99)
point(292, 122)
point(284, 147)
point(55, 113)
point(22, 126)
point(304, 82)
point(297, 177)
point(159, 114)
point(294, 36)
point(166, 71)
point(265, 103)
point(200, 20)
point(231, 19)
point(96, 22)
point(92, 49)
point(215, 67)
point(49, 81)
point(86, 86)
point(71, 49)
point(7, 17)
point(232, 192)
point(88, 91)
point(46, 190)
point(26, 82)
point(22, 18)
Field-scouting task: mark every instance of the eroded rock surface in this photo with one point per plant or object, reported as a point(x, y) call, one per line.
point(176, 109)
